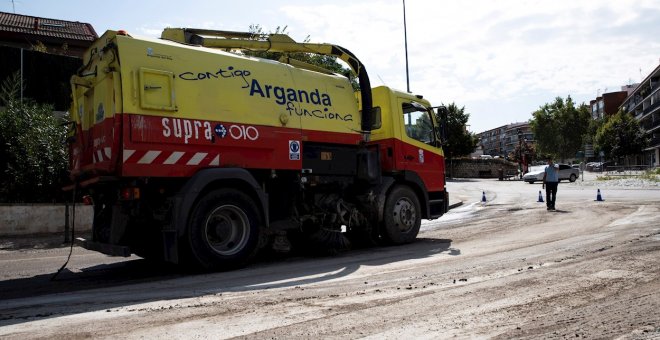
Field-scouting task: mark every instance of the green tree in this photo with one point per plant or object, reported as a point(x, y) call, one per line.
point(460, 142)
point(31, 147)
point(620, 136)
point(592, 130)
point(559, 128)
point(528, 151)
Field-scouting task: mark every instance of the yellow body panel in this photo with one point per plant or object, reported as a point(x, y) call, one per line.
point(168, 79)
point(151, 79)
point(174, 80)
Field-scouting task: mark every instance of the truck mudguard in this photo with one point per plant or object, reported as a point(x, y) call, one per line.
point(420, 189)
point(202, 180)
point(409, 178)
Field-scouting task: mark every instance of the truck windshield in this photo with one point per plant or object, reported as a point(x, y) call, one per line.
point(418, 123)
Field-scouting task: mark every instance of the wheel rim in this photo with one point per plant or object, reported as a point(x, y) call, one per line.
point(405, 215)
point(227, 230)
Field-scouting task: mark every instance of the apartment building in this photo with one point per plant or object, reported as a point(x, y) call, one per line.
point(492, 141)
point(502, 141)
point(643, 103)
point(608, 103)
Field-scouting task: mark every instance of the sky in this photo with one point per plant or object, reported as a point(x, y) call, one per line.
point(499, 59)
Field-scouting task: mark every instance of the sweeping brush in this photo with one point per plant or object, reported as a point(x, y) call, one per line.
point(327, 241)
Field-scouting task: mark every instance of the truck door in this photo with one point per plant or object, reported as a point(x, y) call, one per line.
point(95, 146)
point(420, 149)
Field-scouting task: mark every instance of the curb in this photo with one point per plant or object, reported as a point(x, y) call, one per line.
point(455, 205)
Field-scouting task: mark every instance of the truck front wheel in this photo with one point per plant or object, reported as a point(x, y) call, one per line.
point(402, 217)
point(224, 230)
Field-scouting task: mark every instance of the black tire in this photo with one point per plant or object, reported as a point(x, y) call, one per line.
point(572, 178)
point(102, 221)
point(402, 217)
point(223, 232)
point(530, 182)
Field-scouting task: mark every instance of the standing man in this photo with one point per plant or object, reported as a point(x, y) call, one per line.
point(550, 182)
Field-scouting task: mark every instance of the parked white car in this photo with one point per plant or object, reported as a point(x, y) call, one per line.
point(565, 172)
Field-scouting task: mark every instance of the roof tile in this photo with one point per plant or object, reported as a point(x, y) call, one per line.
point(46, 27)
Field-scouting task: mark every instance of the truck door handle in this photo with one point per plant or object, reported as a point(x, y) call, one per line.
point(408, 157)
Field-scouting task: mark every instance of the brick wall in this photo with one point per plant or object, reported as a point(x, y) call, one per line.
point(479, 168)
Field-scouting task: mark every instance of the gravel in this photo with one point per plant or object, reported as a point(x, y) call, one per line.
point(620, 181)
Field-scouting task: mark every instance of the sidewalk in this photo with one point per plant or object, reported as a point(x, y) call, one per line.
point(36, 241)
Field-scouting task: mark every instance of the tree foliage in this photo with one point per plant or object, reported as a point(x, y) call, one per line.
point(620, 136)
point(33, 154)
point(528, 151)
point(559, 128)
point(460, 142)
point(592, 130)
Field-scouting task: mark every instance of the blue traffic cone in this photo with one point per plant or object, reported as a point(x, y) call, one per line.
point(599, 198)
point(540, 197)
point(483, 197)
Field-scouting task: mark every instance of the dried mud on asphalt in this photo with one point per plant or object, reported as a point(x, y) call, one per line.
point(504, 269)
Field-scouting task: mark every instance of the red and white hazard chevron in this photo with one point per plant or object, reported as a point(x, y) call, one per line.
point(101, 155)
point(171, 157)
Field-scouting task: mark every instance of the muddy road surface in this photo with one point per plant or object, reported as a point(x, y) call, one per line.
point(506, 268)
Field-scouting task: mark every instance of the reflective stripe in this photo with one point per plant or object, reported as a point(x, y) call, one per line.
point(197, 158)
point(128, 154)
point(174, 157)
point(215, 161)
point(156, 157)
point(149, 157)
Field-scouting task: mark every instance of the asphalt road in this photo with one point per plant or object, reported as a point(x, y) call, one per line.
point(506, 268)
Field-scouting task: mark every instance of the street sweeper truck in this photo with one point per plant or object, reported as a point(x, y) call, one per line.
point(194, 152)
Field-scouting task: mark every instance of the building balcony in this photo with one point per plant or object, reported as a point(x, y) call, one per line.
point(649, 125)
point(654, 143)
point(651, 108)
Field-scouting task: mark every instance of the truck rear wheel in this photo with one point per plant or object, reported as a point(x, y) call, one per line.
point(224, 230)
point(402, 218)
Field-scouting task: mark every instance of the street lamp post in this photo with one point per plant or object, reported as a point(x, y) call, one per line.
point(525, 156)
point(520, 152)
point(405, 39)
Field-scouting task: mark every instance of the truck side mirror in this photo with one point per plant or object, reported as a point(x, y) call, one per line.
point(442, 114)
